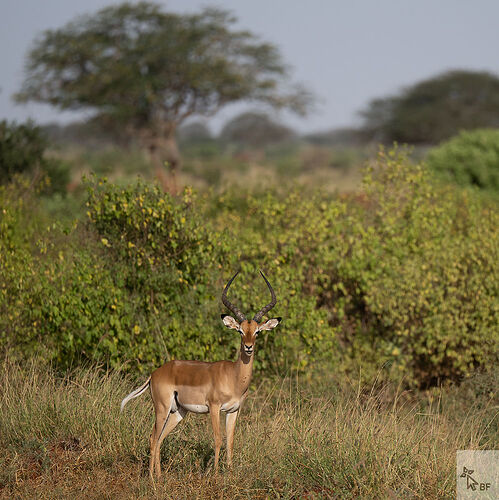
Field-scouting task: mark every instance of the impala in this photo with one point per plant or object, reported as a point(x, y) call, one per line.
point(200, 387)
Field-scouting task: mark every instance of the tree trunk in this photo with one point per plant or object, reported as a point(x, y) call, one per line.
point(164, 155)
point(172, 158)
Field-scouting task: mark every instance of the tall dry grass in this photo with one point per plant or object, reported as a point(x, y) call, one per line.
point(63, 437)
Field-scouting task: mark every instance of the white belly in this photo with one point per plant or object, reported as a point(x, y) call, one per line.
point(195, 408)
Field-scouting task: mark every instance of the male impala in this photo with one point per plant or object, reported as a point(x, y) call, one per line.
point(181, 386)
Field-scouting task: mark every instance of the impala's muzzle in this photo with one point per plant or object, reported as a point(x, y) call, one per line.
point(248, 349)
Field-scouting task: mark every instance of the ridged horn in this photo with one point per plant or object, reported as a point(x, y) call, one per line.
point(259, 315)
point(231, 307)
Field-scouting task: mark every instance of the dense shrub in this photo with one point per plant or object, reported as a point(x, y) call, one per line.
point(22, 150)
point(284, 237)
point(141, 282)
point(118, 288)
point(19, 240)
point(406, 273)
point(177, 260)
point(469, 159)
point(403, 275)
point(416, 284)
point(150, 230)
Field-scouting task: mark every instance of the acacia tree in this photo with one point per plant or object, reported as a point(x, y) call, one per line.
point(435, 109)
point(145, 70)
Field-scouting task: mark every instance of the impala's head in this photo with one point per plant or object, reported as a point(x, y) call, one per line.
point(248, 329)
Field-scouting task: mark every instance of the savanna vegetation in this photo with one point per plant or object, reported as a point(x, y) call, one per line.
point(384, 261)
point(405, 275)
point(62, 436)
point(386, 359)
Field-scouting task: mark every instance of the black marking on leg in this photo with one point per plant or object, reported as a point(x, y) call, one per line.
point(163, 428)
point(175, 403)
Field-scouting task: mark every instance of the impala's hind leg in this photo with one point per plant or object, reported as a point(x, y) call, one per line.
point(162, 413)
point(172, 422)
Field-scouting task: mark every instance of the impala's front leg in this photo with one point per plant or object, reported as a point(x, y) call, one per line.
point(230, 425)
point(215, 422)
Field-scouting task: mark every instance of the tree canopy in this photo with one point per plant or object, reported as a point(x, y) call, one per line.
point(435, 109)
point(255, 130)
point(145, 70)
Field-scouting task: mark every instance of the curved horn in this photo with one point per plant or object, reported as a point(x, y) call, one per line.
point(258, 316)
point(239, 315)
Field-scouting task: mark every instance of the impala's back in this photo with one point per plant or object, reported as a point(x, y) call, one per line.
point(194, 384)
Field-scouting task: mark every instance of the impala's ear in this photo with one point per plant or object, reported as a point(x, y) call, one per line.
point(230, 322)
point(269, 324)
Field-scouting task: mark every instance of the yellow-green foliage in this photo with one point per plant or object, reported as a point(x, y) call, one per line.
point(150, 230)
point(402, 276)
point(422, 264)
point(407, 273)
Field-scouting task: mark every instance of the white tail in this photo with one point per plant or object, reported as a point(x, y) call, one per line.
point(135, 393)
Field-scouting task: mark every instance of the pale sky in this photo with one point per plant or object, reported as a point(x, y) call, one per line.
point(346, 52)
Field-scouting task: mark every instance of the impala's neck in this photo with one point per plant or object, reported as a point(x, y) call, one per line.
point(244, 368)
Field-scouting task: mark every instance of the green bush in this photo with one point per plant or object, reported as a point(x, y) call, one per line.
point(400, 279)
point(141, 282)
point(175, 260)
point(284, 237)
point(415, 283)
point(22, 150)
point(20, 238)
point(469, 159)
point(123, 287)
